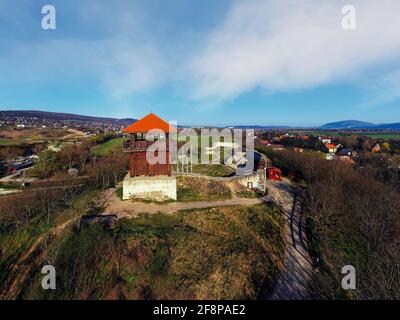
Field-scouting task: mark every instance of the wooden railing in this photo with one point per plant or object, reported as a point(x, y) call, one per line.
point(137, 146)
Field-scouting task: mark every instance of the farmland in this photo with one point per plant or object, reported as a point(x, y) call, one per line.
point(371, 134)
point(38, 135)
point(106, 147)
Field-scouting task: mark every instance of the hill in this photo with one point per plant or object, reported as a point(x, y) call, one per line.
point(61, 116)
point(347, 124)
point(356, 124)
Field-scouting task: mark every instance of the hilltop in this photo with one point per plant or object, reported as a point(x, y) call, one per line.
point(62, 117)
point(356, 124)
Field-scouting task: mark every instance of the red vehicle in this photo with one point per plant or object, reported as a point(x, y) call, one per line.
point(274, 174)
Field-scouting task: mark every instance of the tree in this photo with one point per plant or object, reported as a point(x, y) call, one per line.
point(386, 146)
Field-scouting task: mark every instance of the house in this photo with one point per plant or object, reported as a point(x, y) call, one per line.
point(276, 147)
point(331, 147)
point(345, 152)
point(330, 156)
point(265, 142)
point(326, 140)
point(376, 148)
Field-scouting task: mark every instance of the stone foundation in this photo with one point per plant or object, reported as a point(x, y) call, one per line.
point(157, 188)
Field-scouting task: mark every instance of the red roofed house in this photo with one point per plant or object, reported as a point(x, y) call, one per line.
point(150, 170)
point(331, 147)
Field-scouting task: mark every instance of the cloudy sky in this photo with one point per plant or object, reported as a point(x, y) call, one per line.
point(204, 62)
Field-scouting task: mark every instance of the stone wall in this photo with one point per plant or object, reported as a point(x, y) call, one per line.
point(158, 188)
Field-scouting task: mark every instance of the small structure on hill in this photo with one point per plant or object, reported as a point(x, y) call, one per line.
point(376, 148)
point(274, 174)
point(152, 181)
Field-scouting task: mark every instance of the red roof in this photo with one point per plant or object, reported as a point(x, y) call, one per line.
point(149, 122)
point(330, 146)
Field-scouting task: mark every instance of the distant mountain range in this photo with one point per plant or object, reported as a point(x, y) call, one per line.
point(340, 125)
point(355, 124)
point(62, 116)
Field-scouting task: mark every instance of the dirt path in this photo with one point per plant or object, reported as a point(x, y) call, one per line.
point(130, 208)
point(293, 283)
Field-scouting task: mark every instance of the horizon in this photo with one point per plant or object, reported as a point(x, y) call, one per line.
point(204, 63)
point(199, 125)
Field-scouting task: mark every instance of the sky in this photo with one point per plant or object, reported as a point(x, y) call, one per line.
point(204, 62)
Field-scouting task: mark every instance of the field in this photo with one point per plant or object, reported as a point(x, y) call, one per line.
point(106, 147)
point(36, 135)
point(373, 135)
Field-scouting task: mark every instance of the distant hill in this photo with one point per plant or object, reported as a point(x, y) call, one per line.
point(347, 124)
point(388, 126)
point(62, 116)
point(355, 124)
point(255, 127)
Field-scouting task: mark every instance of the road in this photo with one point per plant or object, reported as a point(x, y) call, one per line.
point(297, 272)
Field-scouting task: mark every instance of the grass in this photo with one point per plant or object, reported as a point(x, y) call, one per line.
point(35, 135)
point(11, 142)
point(213, 170)
point(14, 243)
point(200, 189)
point(106, 147)
point(193, 254)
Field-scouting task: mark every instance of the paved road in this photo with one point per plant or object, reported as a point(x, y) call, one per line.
point(294, 280)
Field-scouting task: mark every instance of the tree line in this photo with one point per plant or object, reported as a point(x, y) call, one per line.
point(352, 219)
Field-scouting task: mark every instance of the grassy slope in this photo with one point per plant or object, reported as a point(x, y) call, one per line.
point(14, 244)
point(226, 253)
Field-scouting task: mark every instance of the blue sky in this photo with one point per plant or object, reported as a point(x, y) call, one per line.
point(225, 62)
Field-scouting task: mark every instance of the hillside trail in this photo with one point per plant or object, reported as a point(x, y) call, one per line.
point(293, 284)
point(129, 208)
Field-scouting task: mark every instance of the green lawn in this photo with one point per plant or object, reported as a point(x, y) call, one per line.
point(106, 147)
point(11, 142)
point(213, 170)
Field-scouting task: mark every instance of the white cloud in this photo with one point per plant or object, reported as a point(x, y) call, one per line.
point(275, 45)
point(294, 44)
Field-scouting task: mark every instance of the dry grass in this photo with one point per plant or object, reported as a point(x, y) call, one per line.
point(195, 254)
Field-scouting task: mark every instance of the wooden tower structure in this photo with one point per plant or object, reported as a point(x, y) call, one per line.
point(141, 138)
